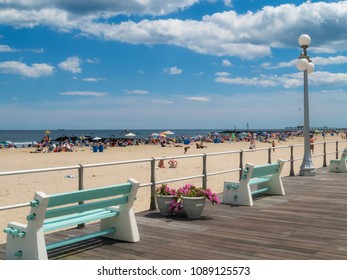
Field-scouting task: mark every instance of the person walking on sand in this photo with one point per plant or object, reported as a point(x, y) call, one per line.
point(273, 145)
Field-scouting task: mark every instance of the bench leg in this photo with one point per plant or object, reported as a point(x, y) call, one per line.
point(31, 246)
point(276, 186)
point(334, 165)
point(237, 194)
point(125, 224)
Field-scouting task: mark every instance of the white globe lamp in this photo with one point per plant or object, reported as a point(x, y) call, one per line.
point(302, 64)
point(304, 40)
point(310, 68)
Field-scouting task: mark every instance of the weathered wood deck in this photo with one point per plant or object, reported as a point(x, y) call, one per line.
point(310, 222)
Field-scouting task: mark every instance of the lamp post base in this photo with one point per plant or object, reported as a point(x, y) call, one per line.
point(308, 172)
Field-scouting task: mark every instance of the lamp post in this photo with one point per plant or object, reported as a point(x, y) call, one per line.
point(304, 63)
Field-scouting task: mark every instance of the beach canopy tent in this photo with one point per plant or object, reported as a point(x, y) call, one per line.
point(130, 134)
point(155, 135)
point(167, 132)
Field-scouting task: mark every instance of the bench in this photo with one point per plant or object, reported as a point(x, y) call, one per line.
point(111, 205)
point(339, 165)
point(261, 179)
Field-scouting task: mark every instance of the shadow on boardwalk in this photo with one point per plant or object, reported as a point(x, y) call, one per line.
point(310, 222)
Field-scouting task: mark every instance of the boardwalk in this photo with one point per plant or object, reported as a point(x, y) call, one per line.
point(310, 222)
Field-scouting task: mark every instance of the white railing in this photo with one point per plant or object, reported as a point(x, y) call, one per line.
point(153, 182)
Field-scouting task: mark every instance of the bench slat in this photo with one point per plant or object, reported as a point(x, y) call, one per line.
point(85, 207)
point(259, 180)
point(73, 220)
point(79, 238)
point(82, 195)
point(263, 170)
point(262, 190)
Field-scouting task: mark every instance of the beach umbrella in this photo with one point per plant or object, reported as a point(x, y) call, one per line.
point(130, 134)
point(97, 138)
point(168, 132)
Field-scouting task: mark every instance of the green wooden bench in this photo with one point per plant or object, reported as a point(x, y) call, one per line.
point(339, 165)
point(261, 179)
point(111, 205)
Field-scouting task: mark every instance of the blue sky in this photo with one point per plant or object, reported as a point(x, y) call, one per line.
point(169, 64)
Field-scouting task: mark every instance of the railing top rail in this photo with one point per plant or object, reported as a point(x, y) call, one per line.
point(175, 157)
point(28, 171)
point(115, 163)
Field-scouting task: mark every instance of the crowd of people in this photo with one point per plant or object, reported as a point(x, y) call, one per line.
point(69, 144)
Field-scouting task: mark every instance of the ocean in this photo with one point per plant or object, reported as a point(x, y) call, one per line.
point(18, 136)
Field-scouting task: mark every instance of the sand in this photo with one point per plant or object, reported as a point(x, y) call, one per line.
point(16, 189)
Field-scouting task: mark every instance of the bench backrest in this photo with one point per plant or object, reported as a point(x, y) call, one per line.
point(63, 199)
point(58, 205)
point(261, 170)
point(264, 170)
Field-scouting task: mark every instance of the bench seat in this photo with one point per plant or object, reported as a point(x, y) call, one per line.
point(75, 219)
point(264, 178)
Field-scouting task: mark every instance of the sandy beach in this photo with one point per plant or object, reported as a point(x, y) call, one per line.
point(16, 189)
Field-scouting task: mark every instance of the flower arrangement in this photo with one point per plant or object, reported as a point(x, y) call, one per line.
point(164, 189)
point(188, 190)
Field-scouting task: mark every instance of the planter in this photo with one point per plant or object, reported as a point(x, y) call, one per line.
point(193, 206)
point(163, 203)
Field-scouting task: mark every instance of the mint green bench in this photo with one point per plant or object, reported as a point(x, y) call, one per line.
point(111, 205)
point(339, 165)
point(261, 179)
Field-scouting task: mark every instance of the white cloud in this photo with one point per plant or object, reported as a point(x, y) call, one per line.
point(127, 7)
point(36, 70)
point(336, 60)
point(288, 80)
point(331, 60)
point(173, 70)
point(248, 35)
point(137, 91)
point(93, 80)
point(5, 48)
point(71, 64)
point(228, 3)
point(222, 74)
point(196, 98)
point(84, 93)
point(226, 62)
point(93, 60)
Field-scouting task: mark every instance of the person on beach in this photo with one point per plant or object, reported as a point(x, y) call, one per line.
point(273, 145)
point(186, 149)
point(161, 164)
point(172, 163)
point(312, 144)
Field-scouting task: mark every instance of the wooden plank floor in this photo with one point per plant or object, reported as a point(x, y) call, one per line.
point(310, 222)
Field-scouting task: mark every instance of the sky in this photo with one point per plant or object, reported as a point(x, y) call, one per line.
point(170, 64)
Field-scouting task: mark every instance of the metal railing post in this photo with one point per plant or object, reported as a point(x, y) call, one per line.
point(291, 173)
point(269, 156)
point(80, 187)
point(204, 171)
point(241, 164)
point(337, 149)
point(324, 154)
point(152, 205)
point(80, 177)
